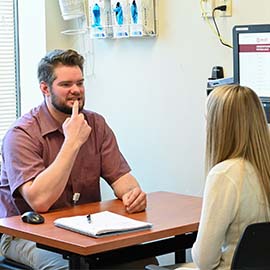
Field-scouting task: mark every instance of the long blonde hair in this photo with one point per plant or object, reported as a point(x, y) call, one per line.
point(237, 128)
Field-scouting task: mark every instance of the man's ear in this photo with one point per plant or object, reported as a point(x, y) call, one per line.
point(44, 88)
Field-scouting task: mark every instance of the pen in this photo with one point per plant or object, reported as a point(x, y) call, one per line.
point(88, 218)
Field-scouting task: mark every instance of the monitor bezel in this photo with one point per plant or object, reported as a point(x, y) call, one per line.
point(238, 29)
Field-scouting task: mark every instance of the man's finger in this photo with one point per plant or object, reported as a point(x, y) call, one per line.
point(75, 108)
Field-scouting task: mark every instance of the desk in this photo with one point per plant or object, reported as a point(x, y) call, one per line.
point(175, 221)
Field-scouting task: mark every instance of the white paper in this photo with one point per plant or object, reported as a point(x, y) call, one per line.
point(102, 224)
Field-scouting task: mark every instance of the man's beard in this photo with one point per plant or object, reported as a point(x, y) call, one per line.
point(62, 107)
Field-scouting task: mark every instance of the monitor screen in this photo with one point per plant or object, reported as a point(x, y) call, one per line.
point(251, 58)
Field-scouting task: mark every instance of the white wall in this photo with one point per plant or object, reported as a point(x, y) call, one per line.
point(32, 40)
point(151, 91)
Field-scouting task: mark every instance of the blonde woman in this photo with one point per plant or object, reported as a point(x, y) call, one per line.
point(237, 191)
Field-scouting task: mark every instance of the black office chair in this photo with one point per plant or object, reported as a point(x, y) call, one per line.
point(252, 251)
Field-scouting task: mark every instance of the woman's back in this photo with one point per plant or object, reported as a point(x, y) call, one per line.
point(237, 159)
point(232, 200)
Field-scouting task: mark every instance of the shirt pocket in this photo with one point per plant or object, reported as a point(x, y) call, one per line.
point(86, 178)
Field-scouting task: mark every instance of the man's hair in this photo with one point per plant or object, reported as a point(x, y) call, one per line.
point(55, 58)
point(237, 128)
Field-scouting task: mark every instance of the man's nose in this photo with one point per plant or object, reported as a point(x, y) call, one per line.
point(75, 89)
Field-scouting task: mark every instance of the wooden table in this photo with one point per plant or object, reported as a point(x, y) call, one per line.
point(175, 219)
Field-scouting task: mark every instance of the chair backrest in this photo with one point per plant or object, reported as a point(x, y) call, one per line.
point(253, 249)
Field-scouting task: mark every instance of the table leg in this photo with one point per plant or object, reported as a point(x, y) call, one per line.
point(74, 262)
point(180, 256)
point(187, 241)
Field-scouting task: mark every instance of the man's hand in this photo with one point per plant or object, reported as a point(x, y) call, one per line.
point(76, 129)
point(134, 200)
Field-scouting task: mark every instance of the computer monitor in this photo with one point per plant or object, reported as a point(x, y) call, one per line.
point(251, 59)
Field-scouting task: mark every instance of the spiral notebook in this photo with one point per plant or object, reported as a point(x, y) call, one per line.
point(102, 224)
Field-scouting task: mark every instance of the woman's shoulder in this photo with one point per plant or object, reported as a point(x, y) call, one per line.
point(232, 169)
point(232, 165)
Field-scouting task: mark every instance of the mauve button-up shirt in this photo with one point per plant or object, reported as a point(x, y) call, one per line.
point(32, 144)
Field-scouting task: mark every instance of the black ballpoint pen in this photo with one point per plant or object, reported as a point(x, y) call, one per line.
point(89, 218)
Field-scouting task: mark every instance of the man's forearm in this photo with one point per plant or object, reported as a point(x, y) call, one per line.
point(50, 184)
point(124, 184)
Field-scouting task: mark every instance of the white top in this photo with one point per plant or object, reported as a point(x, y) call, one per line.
point(232, 200)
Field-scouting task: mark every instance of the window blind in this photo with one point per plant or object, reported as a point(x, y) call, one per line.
point(9, 97)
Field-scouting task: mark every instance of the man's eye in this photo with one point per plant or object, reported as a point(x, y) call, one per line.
point(66, 84)
point(80, 84)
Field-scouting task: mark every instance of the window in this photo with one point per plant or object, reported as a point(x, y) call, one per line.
point(9, 75)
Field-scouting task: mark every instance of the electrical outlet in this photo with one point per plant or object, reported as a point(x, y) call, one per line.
point(207, 7)
point(228, 12)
